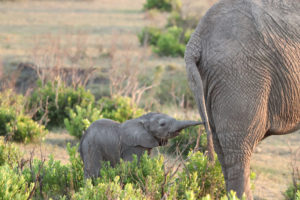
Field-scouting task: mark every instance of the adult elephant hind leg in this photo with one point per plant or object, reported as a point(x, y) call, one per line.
point(237, 147)
point(237, 164)
point(238, 130)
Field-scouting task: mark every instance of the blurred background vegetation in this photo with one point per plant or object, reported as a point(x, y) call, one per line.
point(65, 64)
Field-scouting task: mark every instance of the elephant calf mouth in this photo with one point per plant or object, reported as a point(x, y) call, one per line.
point(162, 142)
point(176, 133)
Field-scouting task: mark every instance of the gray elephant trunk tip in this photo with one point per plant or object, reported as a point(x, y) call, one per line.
point(180, 125)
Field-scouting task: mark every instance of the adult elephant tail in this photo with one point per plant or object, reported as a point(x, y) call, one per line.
point(192, 56)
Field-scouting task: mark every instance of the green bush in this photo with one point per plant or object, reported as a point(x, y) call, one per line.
point(115, 108)
point(109, 190)
point(148, 174)
point(298, 195)
point(13, 185)
point(56, 100)
point(9, 153)
point(54, 179)
point(293, 193)
point(115, 190)
point(187, 23)
point(119, 108)
point(80, 119)
point(186, 142)
point(172, 39)
point(187, 35)
point(149, 35)
point(150, 178)
point(201, 178)
point(164, 5)
point(19, 127)
point(76, 167)
point(7, 115)
point(24, 129)
point(156, 181)
point(164, 43)
point(169, 44)
point(8, 98)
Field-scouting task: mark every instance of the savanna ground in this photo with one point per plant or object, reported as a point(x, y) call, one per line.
point(35, 30)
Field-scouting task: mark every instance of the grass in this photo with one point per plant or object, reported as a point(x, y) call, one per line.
point(28, 26)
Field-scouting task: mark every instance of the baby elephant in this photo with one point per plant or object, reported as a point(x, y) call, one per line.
point(109, 140)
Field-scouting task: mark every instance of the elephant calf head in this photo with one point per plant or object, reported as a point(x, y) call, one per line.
point(153, 129)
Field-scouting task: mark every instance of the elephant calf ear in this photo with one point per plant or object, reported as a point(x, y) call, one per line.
point(134, 134)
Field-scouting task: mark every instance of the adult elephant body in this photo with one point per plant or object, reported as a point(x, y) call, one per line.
point(243, 65)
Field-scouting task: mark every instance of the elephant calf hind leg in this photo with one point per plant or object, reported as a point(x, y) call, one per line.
point(92, 168)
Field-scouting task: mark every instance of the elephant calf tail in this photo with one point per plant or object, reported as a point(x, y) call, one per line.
point(192, 56)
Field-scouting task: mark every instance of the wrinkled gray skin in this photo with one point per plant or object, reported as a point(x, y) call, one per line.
point(243, 65)
point(107, 140)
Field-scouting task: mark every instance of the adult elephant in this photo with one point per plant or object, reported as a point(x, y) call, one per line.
point(243, 65)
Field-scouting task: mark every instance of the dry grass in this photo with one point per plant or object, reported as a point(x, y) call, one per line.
point(55, 143)
point(272, 164)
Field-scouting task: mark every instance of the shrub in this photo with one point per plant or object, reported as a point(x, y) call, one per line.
point(80, 119)
point(187, 23)
point(9, 153)
point(201, 178)
point(187, 35)
point(8, 98)
point(119, 108)
point(134, 172)
point(51, 178)
point(164, 5)
point(169, 44)
point(293, 193)
point(155, 180)
point(115, 108)
point(109, 190)
point(164, 43)
point(186, 142)
point(76, 167)
point(149, 35)
point(7, 115)
point(148, 174)
point(13, 185)
point(24, 129)
point(55, 101)
point(54, 179)
point(171, 40)
point(19, 127)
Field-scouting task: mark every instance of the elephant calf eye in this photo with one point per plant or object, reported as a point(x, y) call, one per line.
point(163, 124)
